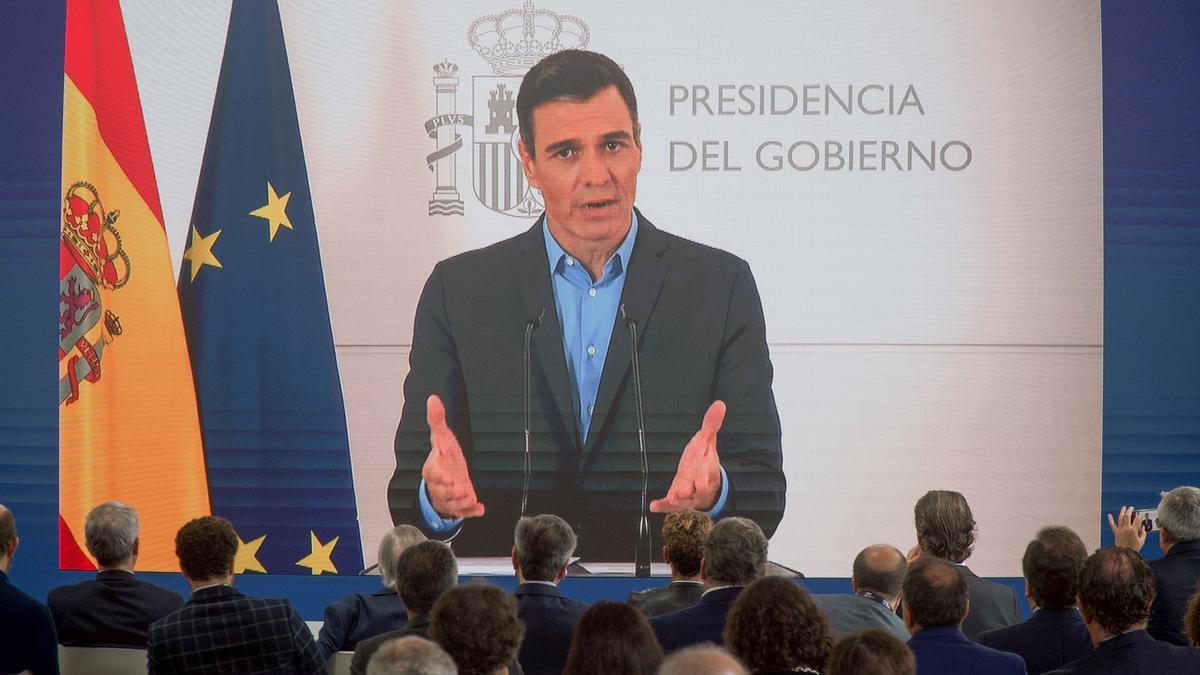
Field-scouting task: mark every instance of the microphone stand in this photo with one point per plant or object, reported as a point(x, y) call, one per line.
point(530, 326)
point(641, 555)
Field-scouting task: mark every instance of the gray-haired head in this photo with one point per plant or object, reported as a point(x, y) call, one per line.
point(411, 655)
point(544, 544)
point(735, 552)
point(111, 530)
point(393, 544)
point(1179, 513)
point(704, 659)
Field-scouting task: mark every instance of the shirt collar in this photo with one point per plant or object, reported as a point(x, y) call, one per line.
point(557, 255)
point(544, 583)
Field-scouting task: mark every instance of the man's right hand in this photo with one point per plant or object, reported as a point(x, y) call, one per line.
point(1127, 529)
point(445, 472)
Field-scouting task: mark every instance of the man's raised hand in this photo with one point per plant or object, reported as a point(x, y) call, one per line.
point(697, 481)
point(445, 471)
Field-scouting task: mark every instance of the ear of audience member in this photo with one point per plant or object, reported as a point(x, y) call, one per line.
point(115, 609)
point(424, 571)
point(612, 637)
point(359, 616)
point(871, 652)
point(1055, 634)
point(683, 534)
point(1116, 590)
point(704, 659)
point(27, 640)
point(735, 554)
point(542, 547)
point(774, 627)
point(946, 529)
point(478, 627)
point(411, 655)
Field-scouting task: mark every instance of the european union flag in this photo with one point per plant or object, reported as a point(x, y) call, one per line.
point(257, 321)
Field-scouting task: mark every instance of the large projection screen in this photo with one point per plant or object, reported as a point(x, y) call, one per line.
point(917, 187)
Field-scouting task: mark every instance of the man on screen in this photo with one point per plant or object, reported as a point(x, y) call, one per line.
point(712, 429)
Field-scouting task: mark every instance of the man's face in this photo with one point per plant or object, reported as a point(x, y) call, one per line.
point(586, 165)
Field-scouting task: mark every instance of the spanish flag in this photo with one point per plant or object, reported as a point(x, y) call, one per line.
point(128, 425)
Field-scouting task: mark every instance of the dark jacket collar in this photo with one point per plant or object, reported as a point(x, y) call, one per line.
point(940, 633)
point(214, 594)
point(1068, 614)
point(117, 575)
point(727, 594)
point(1189, 547)
point(1124, 641)
point(538, 589)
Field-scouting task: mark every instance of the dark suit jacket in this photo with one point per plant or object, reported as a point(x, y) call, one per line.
point(222, 631)
point(701, 337)
point(1175, 574)
point(702, 622)
point(992, 605)
point(549, 619)
point(850, 613)
point(1047, 640)
point(677, 595)
point(946, 650)
point(26, 633)
point(114, 610)
point(367, 647)
point(1135, 653)
point(360, 616)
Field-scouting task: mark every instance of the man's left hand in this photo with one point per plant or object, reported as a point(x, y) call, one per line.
point(697, 481)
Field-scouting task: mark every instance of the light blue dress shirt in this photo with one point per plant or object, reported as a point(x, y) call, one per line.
point(587, 310)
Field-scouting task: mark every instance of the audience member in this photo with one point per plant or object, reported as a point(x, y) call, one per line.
point(1054, 634)
point(775, 627)
point(871, 652)
point(612, 637)
point(114, 609)
point(935, 604)
point(946, 529)
point(411, 655)
point(734, 555)
point(423, 572)
point(683, 534)
point(26, 629)
point(1191, 620)
point(1116, 590)
point(1176, 573)
point(704, 659)
point(220, 630)
point(542, 547)
point(478, 627)
point(363, 615)
point(875, 583)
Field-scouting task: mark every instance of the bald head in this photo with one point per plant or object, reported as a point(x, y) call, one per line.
point(8, 536)
point(879, 569)
point(935, 594)
point(702, 660)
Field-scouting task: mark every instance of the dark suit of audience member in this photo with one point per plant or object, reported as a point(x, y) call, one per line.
point(1116, 589)
point(357, 617)
point(1055, 634)
point(946, 529)
point(935, 603)
point(542, 548)
point(875, 580)
point(734, 555)
point(113, 610)
point(423, 572)
point(1178, 571)
point(26, 629)
point(676, 595)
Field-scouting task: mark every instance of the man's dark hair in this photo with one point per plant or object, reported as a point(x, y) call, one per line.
point(478, 627)
point(1116, 589)
point(570, 75)
point(683, 534)
point(935, 591)
point(871, 652)
point(544, 545)
point(613, 637)
point(945, 526)
point(424, 572)
point(774, 626)
point(8, 531)
point(880, 569)
point(735, 551)
point(1051, 566)
point(206, 547)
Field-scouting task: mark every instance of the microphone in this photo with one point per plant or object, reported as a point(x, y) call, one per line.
point(641, 555)
point(530, 326)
